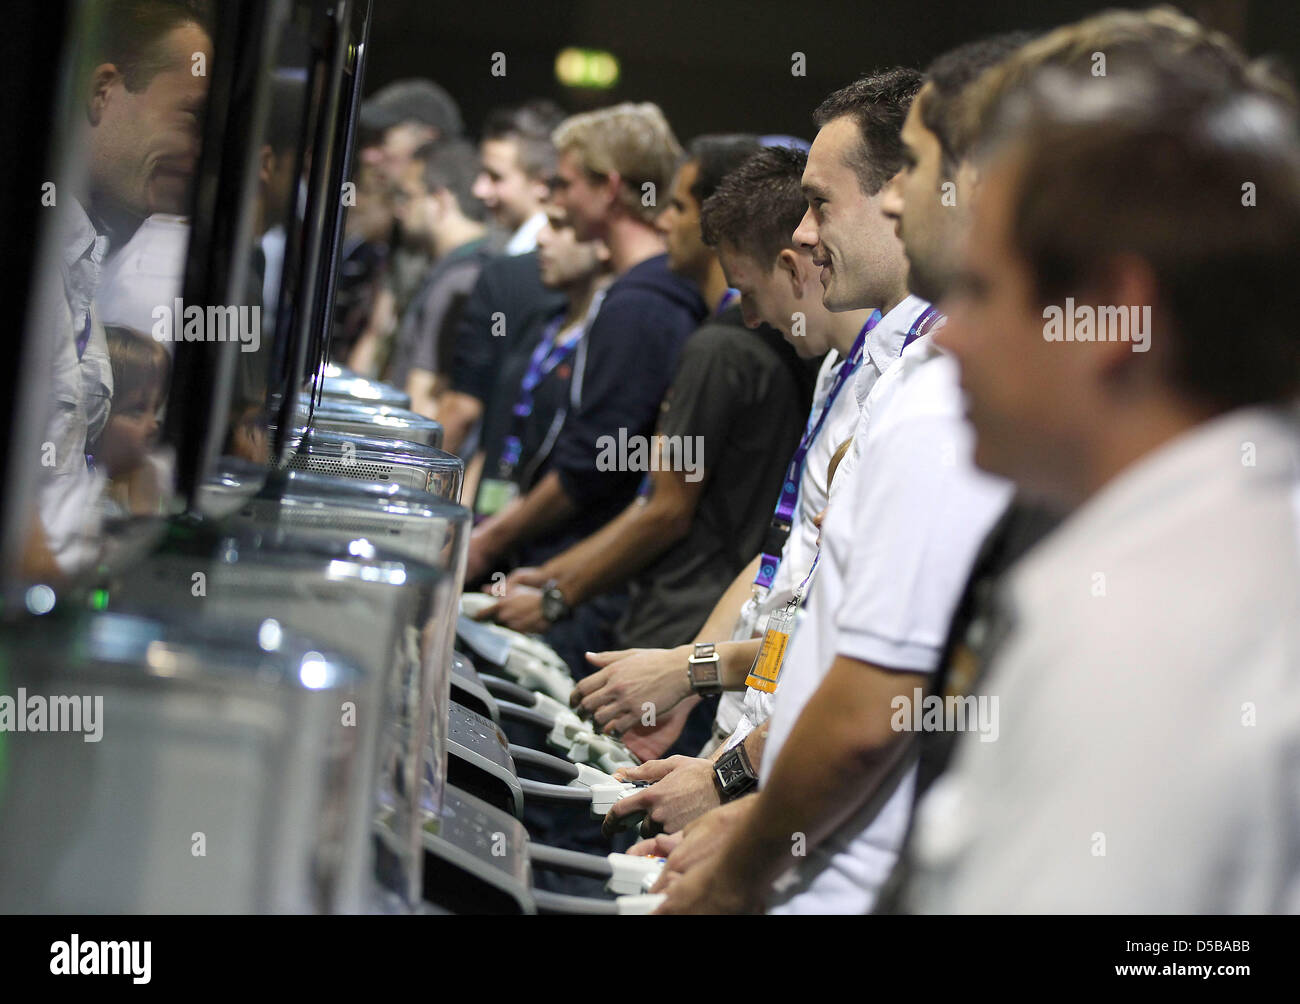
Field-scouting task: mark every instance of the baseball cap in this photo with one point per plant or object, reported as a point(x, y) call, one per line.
point(412, 100)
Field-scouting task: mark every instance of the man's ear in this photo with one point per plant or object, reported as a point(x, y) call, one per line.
point(1128, 282)
point(611, 186)
point(540, 189)
point(445, 204)
point(265, 164)
point(102, 79)
point(788, 264)
point(967, 177)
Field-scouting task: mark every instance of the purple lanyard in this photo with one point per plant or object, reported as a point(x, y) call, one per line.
point(779, 529)
point(84, 338)
point(546, 357)
point(923, 325)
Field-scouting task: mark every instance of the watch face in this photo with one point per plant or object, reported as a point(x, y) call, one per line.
point(705, 671)
point(729, 770)
point(552, 606)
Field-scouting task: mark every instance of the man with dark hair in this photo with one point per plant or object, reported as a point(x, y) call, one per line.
point(856, 152)
point(730, 418)
point(439, 213)
point(936, 143)
point(517, 159)
point(402, 117)
point(1177, 450)
point(395, 122)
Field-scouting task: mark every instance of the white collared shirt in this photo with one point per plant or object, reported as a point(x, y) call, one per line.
point(145, 274)
point(524, 240)
point(81, 390)
point(884, 342)
point(1148, 758)
point(898, 543)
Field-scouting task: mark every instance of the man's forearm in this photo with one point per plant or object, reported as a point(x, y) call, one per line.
point(837, 756)
point(542, 509)
point(457, 413)
point(722, 619)
point(421, 386)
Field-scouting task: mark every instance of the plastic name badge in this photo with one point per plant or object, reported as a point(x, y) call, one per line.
point(494, 494)
point(771, 653)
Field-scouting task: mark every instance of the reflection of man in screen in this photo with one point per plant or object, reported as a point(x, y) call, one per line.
point(277, 187)
point(141, 99)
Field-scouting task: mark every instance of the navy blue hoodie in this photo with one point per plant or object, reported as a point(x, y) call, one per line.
point(631, 356)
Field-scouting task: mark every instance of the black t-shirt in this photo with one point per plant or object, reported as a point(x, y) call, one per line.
point(742, 393)
point(499, 323)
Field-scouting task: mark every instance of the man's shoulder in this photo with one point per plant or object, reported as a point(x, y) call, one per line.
point(650, 284)
point(923, 385)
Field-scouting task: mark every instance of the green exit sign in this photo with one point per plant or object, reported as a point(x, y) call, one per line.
point(592, 68)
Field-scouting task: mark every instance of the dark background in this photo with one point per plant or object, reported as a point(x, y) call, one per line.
point(724, 65)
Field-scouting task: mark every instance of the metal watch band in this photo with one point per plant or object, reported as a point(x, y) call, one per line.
point(706, 681)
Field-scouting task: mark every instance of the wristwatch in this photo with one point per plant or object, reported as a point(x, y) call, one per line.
point(554, 606)
point(704, 667)
point(733, 773)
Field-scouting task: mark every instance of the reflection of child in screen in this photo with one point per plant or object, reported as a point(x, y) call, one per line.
point(140, 376)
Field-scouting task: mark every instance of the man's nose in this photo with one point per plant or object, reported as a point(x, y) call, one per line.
point(891, 199)
point(805, 234)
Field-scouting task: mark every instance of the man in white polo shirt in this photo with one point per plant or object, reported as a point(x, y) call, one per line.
point(900, 536)
point(1148, 761)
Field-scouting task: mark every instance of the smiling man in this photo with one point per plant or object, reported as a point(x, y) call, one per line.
point(143, 108)
point(516, 161)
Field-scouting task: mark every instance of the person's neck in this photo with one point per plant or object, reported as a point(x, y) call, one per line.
point(525, 221)
point(1125, 439)
point(111, 220)
point(455, 233)
point(844, 328)
point(893, 298)
point(630, 242)
point(713, 285)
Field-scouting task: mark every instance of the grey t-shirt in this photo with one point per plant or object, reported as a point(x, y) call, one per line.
point(423, 337)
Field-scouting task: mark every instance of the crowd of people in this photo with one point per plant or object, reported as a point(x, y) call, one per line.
point(922, 505)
